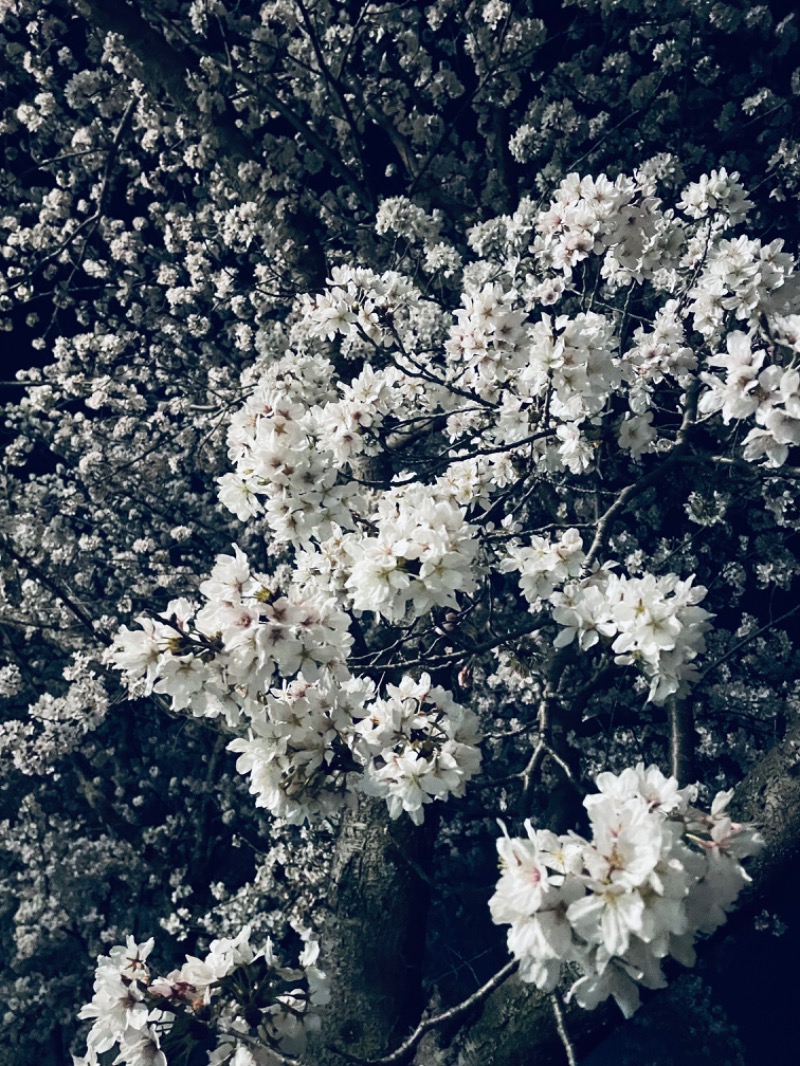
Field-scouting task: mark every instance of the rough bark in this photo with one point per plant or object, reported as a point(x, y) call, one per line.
point(374, 934)
point(770, 796)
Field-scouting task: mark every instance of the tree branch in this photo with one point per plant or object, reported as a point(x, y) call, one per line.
point(557, 1004)
point(681, 738)
point(451, 1015)
point(630, 492)
point(164, 70)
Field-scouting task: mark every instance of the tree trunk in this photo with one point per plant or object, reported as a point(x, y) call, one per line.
point(373, 938)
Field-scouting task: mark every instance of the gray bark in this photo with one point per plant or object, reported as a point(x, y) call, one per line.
point(374, 934)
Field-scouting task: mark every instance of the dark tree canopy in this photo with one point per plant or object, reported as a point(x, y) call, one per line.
point(402, 433)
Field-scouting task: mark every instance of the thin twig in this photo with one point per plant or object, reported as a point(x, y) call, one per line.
point(681, 738)
point(469, 650)
point(630, 492)
point(450, 1015)
point(558, 1014)
point(259, 1044)
point(545, 746)
point(751, 636)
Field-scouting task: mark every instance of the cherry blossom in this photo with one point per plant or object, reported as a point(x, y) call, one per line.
point(655, 875)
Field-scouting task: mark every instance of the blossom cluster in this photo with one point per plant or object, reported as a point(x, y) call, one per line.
point(315, 746)
point(239, 995)
point(422, 746)
point(299, 748)
point(757, 387)
point(424, 556)
point(742, 278)
point(651, 622)
point(218, 659)
point(310, 743)
point(716, 193)
point(360, 306)
point(621, 220)
point(655, 874)
point(545, 564)
point(277, 454)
